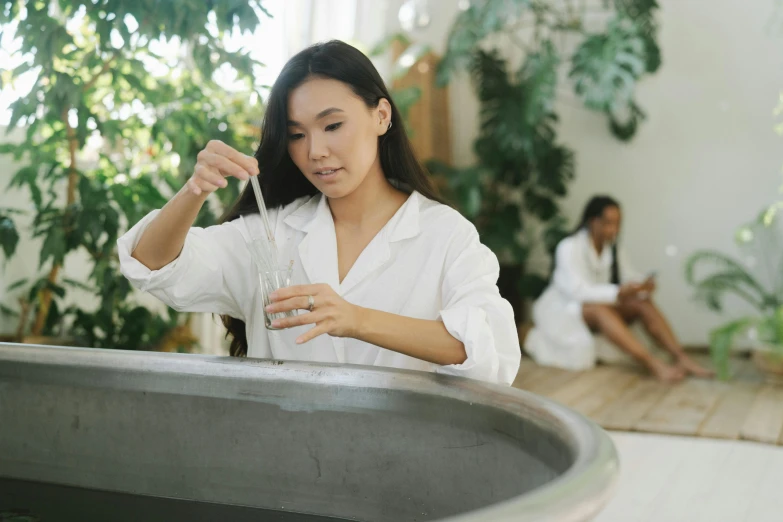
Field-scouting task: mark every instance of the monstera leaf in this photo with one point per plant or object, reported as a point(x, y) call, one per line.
point(643, 13)
point(605, 69)
point(606, 66)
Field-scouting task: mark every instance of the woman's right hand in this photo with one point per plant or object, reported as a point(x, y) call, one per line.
point(217, 162)
point(628, 291)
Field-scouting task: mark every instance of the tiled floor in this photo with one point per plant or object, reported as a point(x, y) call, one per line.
point(684, 479)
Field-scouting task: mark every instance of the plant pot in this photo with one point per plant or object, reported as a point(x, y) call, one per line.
point(179, 339)
point(770, 362)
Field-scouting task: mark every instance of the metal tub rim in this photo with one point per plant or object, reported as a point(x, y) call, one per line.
point(577, 495)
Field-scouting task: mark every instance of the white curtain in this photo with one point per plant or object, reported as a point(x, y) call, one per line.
point(311, 21)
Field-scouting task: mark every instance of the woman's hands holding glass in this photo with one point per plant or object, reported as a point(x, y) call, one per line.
point(330, 313)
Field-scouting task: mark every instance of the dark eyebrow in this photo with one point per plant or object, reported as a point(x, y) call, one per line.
point(323, 114)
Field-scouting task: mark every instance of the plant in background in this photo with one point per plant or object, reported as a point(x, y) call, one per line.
point(758, 281)
point(9, 236)
point(124, 94)
point(518, 52)
point(406, 97)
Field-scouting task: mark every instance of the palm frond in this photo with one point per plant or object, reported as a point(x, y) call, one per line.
point(722, 340)
point(538, 76)
point(488, 69)
point(725, 276)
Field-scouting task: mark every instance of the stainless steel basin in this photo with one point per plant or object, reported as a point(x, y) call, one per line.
point(355, 443)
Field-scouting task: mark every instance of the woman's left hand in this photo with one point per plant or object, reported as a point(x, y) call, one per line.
point(330, 313)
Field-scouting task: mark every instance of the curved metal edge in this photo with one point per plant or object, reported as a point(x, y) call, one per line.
point(578, 495)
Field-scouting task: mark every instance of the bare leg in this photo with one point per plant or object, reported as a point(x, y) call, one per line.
point(607, 320)
point(658, 327)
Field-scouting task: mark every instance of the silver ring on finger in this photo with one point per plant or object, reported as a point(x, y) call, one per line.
point(310, 303)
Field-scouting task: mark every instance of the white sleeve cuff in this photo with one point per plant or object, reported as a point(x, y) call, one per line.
point(611, 292)
point(139, 275)
point(469, 324)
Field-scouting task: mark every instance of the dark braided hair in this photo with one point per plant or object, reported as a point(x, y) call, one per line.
point(594, 210)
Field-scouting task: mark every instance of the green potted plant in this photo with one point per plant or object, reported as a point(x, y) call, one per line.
point(124, 95)
point(758, 281)
point(515, 55)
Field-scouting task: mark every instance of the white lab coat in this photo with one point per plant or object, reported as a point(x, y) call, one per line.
point(560, 336)
point(427, 262)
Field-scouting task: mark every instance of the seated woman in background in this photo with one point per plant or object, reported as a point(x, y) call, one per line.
point(594, 288)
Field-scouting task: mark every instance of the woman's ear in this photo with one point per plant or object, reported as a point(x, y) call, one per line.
point(384, 112)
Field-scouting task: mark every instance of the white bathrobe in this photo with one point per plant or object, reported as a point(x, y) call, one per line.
point(427, 263)
point(560, 336)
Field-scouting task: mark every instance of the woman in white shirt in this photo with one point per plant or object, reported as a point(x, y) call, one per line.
point(384, 274)
point(595, 288)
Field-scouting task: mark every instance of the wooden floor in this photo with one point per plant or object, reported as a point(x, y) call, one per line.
point(625, 399)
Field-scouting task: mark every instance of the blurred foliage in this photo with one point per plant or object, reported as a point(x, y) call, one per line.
point(405, 97)
point(18, 516)
point(512, 193)
point(757, 280)
point(124, 95)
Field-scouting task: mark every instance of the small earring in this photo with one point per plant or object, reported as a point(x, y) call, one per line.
point(389, 127)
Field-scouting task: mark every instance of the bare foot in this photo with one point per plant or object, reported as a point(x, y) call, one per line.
point(693, 368)
point(666, 373)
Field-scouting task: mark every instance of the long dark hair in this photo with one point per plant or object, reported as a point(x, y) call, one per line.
point(594, 210)
point(281, 181)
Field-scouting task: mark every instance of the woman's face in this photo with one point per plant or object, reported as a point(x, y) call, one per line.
point(333, 135)
point(606, 227)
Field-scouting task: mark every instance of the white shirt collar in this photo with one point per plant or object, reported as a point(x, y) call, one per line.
point(318, 249)
point(403, 225)
point(603, 260)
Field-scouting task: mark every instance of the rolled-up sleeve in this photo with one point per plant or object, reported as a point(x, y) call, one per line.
point(210, 274)
point(475, 313)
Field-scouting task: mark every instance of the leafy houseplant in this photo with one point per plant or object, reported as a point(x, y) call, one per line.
point(758, 282)
point(516, 52)
point(124, 95)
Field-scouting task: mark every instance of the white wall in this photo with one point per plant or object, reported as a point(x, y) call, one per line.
point(705, 161)
point(26, 258)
